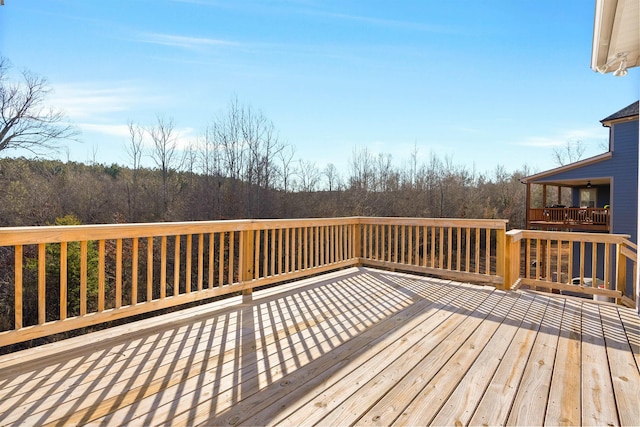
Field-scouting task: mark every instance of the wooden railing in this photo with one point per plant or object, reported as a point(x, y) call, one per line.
point(603, 265)
point(460, 249)
point(593, 217)
point(58, 278)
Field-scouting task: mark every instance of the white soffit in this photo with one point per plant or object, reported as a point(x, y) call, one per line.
point(616, 30)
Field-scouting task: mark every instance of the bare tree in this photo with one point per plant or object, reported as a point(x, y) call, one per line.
point(362, 170)
point(25, 122)
point(309, 175)
point(134, 150)
point(334, 181)
point(286, 168)
point(571, 152)
point(134, 147)
point(211, 168)
point(164, 153)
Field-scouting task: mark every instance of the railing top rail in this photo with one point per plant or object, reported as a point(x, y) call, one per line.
point(573, 208)
point(65, 233)
point(568, 236)
point(447, 222)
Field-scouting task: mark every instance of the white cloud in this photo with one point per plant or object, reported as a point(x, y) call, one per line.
point(184, 41)
point(587, 135)
point(89, 100)
point(106, 129)
point(183, 136)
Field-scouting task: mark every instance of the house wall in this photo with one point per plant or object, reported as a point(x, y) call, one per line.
point(625, 192)
point(622, 170)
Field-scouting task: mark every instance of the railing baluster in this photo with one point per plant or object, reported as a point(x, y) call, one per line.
point(84, 250)
point(424, 245)
point(134, 271)
point(410, 248)
point(101, 275)
point(42, 286)
point(176, 266)
point(467, 246)
point(63, 280)
point(232, 254)
point(458, 248)
point(287, 246)
point(477, 250)
point(200, 260)
point(18, 251)
point(163, 267)
point(594, 263)
point(118, 302)
point(149, 269)
point(607, 263)
point(299, 253)
point(188, 262)
point(324, 247)
point(212, 241)
point(280, 254)
point(221, 247)
point(256, 254)
point(273, 253)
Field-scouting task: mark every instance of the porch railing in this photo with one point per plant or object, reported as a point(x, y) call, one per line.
point(598, 264)
point(571, 216)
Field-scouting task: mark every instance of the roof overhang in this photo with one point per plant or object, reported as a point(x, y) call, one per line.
point(616, 35)
point(546, 175)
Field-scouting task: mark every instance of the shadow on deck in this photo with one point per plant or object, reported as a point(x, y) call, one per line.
point(356, 346)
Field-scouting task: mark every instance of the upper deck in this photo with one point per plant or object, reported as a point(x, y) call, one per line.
point(309, 334)
point(358, 346)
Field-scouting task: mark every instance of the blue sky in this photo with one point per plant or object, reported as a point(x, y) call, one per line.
point(485, 83)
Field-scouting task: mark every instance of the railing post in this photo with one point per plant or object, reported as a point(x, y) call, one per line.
point(357, 244)
point(247, 242)
point(621, 269)
point(502, 256)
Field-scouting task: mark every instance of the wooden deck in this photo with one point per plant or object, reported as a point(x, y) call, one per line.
point(359, 346)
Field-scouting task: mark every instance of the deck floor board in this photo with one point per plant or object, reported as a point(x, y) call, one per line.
point(359, 346)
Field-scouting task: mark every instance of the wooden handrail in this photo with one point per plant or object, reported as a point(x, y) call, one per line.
point(108, 272)
point(461, 249)
point(555, 260)
point(98, 273)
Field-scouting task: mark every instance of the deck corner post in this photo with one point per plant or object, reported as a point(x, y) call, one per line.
point(512, 261)
point(357, 235)
point(502, 257)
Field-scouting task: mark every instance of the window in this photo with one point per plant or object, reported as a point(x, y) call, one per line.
point(588, 197)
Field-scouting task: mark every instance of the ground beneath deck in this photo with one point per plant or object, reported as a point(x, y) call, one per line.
point(359, 346)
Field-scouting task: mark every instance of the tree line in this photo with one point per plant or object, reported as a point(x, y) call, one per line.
point(237, 168)
point(39, 191)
